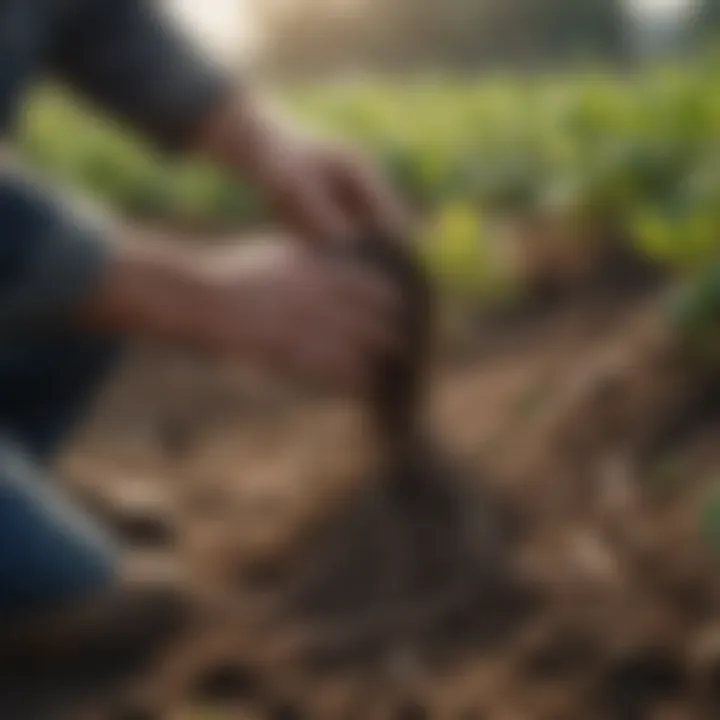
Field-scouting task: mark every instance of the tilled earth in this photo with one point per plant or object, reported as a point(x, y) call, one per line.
point(571, 581)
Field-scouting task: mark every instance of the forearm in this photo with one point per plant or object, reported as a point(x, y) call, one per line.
point(132, 60)
point(188, 298)
point(61, 267)
point(151, 292)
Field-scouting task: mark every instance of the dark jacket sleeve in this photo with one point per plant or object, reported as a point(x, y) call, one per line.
point(52, 254)
point(127, 56)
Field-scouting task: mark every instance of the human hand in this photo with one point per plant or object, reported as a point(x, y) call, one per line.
point(294, 312)
point(321, 189)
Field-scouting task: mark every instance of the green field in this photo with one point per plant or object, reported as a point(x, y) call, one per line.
point(638, 153)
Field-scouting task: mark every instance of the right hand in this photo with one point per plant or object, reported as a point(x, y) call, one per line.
point(292, 312)
point(303, 316)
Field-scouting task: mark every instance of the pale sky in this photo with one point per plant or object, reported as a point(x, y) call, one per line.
point(660, 4)
point(226, 25)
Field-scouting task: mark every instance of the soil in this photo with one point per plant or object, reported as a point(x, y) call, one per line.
point(566, 572)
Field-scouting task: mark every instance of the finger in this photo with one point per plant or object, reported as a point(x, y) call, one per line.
point(360, 330)
point(371, 336)
point(310, 345)
point(366, 193)
point(331, 364)
point(348, 335)
point(307, 205)
point(367, 288)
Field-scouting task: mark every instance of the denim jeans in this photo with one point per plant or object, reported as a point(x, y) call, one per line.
point(50, 552)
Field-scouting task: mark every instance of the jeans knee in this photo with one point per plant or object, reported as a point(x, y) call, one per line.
point(50, 552)
point(86, 358)
point(46, 385)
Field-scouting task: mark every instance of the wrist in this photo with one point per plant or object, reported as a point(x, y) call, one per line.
point(148, 292)
point(241, 135)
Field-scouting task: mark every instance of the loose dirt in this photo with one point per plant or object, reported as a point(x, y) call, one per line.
point(576, 580)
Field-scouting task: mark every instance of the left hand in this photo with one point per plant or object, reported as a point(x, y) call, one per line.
point(320, 189)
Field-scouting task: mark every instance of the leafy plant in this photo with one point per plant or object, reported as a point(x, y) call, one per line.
point(635, 152)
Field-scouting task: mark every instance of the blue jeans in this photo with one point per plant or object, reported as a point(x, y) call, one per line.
point(50, 552)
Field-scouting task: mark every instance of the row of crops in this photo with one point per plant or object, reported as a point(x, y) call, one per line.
point(638, 152)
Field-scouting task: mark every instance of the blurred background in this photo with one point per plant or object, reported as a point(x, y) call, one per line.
point(563, 156)
point(583, 113)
